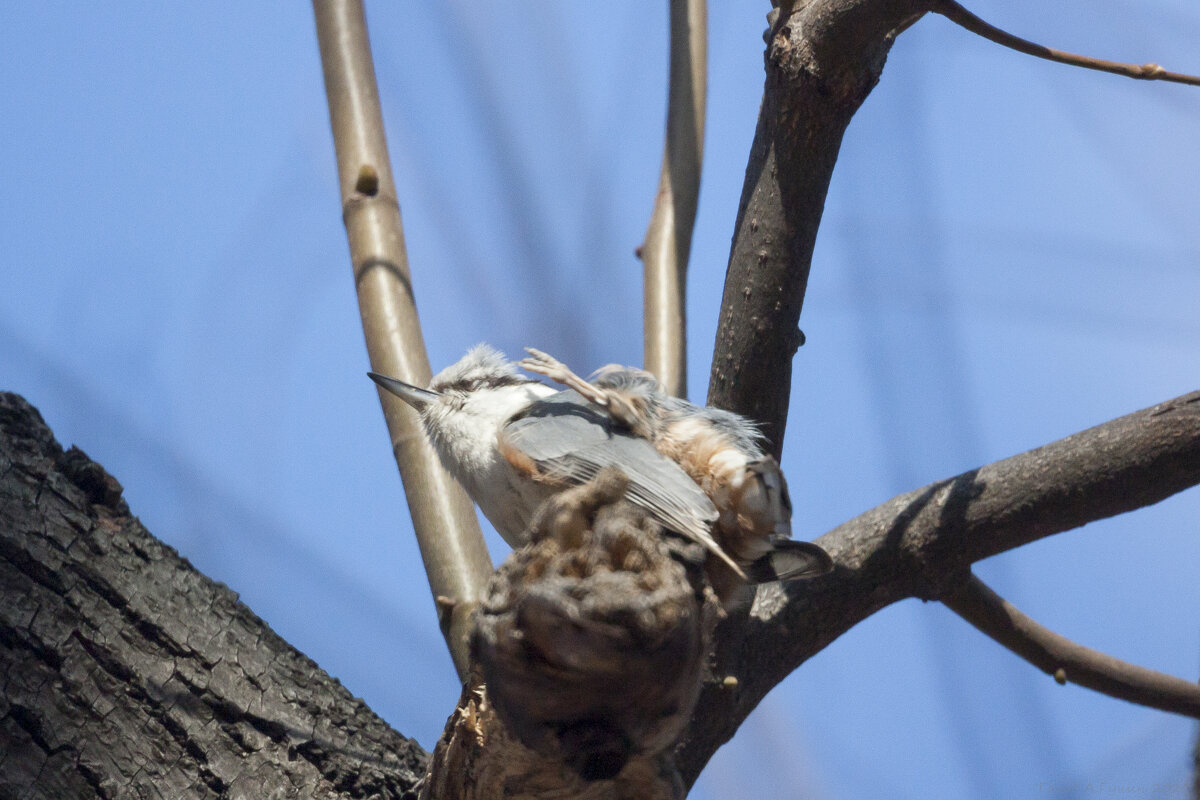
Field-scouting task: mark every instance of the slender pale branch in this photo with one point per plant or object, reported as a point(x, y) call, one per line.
point(1147, 72)
point(668, 242)
point(452, 546)
point(1067, 661)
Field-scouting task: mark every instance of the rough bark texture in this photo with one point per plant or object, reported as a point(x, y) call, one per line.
point(126, 673)
point(478, 758)
point(592, 636)
point(591, 641)
point(922, 543)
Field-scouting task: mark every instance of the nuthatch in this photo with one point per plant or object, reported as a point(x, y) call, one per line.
point(512, 442)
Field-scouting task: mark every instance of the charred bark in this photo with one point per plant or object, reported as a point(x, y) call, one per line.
point(127, 673)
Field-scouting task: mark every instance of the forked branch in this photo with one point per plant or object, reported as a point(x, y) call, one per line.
point(922, 544)
point(1067, 661)
point(823, 59)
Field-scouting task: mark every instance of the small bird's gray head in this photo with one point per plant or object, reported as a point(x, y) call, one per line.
point(483, 367)
point(467, 403)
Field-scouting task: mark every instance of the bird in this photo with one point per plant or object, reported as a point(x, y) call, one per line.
point(513, 441)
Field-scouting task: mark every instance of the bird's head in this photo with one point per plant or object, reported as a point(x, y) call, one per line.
point(468, 401)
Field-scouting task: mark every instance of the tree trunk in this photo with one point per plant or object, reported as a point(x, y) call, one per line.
point(129, 674)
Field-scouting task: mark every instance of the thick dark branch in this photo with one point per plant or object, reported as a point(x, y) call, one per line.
point(127, 673)
point(1121, 465)
point(823, 58)
point(921, 544)
point(1065, 660)
point(591, 642)
point(1146, 72)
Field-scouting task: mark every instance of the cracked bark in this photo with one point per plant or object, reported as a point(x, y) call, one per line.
point(126, 673)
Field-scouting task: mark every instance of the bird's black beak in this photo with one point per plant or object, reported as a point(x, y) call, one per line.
point(415, 396)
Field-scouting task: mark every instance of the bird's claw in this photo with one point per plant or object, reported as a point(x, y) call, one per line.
point(541, 363)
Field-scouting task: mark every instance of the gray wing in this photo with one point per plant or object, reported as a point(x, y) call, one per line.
point(571, 440)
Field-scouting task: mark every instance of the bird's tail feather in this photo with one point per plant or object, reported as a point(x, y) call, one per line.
point(790, 560)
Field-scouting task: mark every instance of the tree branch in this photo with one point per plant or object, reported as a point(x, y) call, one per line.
point(127, 673)
point(922, 543)
point(1147, 72)
point(1065, 660)
point(668, 240)
point(591, 643)
point(452, 546)
point(823, 58)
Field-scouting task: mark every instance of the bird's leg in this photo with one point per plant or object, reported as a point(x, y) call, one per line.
point(545, 364)
point(616, 403)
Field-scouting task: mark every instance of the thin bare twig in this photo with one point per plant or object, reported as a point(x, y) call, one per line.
point(1065, 660)
point(1147, 72)
point(668, 240)
point(452, 546)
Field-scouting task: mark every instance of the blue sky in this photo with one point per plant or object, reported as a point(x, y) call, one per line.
point(1010, 253)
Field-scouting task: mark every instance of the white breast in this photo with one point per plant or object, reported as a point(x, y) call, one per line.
point(465, 438)
point(510, 508)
